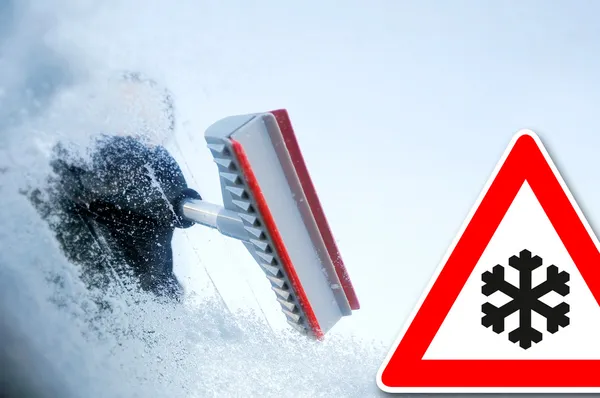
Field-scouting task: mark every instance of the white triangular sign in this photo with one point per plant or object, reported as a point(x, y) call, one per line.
point(513, 307)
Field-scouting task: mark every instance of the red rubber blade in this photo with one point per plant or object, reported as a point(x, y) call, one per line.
point(285, 125)
point(276, 238)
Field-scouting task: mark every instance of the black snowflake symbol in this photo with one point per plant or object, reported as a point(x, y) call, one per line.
point(525, 299)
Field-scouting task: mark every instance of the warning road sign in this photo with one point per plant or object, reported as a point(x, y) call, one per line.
point(514, 305)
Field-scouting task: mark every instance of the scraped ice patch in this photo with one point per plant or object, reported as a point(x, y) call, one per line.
point(144, 347)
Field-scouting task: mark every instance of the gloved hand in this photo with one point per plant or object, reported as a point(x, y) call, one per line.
point(129, 180)
point(131, 192)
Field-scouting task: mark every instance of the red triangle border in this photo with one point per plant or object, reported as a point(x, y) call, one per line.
point(404, 370)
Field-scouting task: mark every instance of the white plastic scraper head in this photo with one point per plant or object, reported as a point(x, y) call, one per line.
point(266, 183)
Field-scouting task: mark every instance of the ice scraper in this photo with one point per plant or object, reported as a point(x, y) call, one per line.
point(271, 205)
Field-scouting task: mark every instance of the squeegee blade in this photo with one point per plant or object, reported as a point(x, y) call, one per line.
point(265, 181)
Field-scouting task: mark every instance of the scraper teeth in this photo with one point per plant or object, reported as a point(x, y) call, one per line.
point(269, 269)
point(242, 204)
point(231, 177)
point(300, 328)
point(267, 257)
point(276, 281)
point(257, 240)
point(291, 316)
point(217, 148)
point(249, 218)
point(224, 162)
point(288, 305)
point(239, 192)
point(260, 244)
point(282, 293)
point(255, 232)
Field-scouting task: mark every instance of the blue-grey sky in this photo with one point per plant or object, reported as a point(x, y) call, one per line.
point(402, 108)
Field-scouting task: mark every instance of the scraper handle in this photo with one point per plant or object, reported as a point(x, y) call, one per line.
point(227, 222)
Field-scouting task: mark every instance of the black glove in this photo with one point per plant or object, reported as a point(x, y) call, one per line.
point(132, 193)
